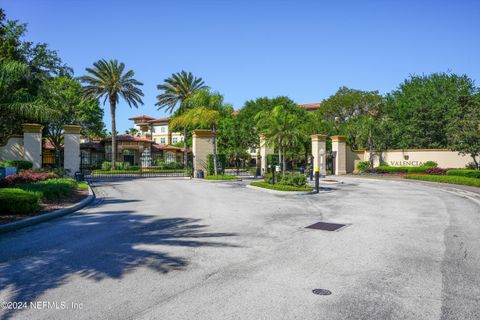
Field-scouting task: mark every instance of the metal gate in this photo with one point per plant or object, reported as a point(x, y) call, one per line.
point(330, 162)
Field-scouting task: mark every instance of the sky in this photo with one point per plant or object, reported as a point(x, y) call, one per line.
point(248, 49)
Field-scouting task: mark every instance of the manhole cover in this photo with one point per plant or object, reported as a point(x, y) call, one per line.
point(326, 226)
point(322, 292)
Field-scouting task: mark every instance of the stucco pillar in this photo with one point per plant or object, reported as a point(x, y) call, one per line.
point(264, 151)
point(32, 143)
point(339, 148)
point(201, 148)
point(319, 153)
point(71, 148)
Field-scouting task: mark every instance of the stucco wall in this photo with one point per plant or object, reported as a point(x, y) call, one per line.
point(413, 157)
point(353, 158)
point(13, 149)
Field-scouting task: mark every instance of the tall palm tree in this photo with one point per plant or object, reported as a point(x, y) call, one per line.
point(206, 109)
point(108, 80)
point(282, 128)
point(176, 89)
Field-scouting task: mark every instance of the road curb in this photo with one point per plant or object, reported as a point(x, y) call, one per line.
point(281, 192)
point(4, 228)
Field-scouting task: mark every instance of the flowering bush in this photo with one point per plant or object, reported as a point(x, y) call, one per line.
point(436, 171)
point(25, 177)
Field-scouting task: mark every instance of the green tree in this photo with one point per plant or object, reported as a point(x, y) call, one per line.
point(423, 106)
point(175, 90)
point(133, 132)
point(282, 129)
point(206, 109)
point(464, 129)
point(63, 95)
point(108, 80)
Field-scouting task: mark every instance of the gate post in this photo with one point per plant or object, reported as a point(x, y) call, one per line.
point(32, 143)
point(339, 148)
point(264, 151)
point(201, 148)
point(71, 148)
point(319, 153)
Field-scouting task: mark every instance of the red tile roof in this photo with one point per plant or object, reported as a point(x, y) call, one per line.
point(95, 144)
point(159, 120)
point(127, 137)
point(156, 147)
point(141, 117)
point(310, 106)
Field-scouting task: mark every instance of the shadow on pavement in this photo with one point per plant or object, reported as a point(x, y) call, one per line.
point(105, 244)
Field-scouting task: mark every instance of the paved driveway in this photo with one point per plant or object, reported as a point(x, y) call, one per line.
point(180, 249)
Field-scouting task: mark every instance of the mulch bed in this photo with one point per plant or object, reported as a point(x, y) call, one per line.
point(77, 196)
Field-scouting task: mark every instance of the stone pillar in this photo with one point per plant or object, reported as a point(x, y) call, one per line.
point(32, 143)
point(201, 148)
point(71, 148)
point(264, 151)
point(319, 153)
point(339, 148)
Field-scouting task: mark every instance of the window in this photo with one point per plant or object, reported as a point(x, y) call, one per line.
point(253, 150)
point(162, 140)
point(153, 129)
point(170, 157)
point(174, 140)
point(162, 129)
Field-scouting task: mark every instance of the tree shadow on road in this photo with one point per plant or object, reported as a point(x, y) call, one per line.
point(105, 244)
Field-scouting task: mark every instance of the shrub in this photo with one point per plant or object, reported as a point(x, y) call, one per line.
point(25, 177)
point(272, 159)
point(54, 189)
point(363, 166)
point(221, 177)
point(107, 165)
point(18, 201)
point(436, 171)
point(280, 187)
point(383, 169)
point(221, 160)
point(471, 166)
point(168, 165)
point(464, 173)
point(430, 164)
point(467, 181)
point(296, 180)
point(19, 164)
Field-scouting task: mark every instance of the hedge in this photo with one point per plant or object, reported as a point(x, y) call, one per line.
point(279, 187)
point(388, 169)
point(289, 179)
point(221, 177)
point(446, 179)
point(464, 173)
point(17, 201)
point(19, 164)
point(25, 177)
point(53, 189)
point(138, 171)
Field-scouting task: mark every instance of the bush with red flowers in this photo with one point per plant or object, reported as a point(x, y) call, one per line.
point(436, 171)
point(25, 177)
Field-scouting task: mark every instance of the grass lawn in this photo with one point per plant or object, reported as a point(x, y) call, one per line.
point(221, 177)
point(279, 187)
point(466, 181)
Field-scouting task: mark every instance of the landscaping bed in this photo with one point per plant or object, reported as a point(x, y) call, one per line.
point(279, 187)
point(138, 171)
point(221, 177)
point(22, 199)
point(460, 180)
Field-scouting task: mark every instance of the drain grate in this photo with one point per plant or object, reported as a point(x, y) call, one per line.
point(326, 226)
point(322, 292)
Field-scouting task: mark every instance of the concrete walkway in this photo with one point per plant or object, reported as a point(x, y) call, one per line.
point(179, 249)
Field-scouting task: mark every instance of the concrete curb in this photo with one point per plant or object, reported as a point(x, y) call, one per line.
point(280, 192)
point(4, 228)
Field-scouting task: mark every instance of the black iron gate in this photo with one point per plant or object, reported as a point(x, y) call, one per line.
point(330, 162)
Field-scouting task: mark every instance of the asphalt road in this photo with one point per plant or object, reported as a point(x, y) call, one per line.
point(180, 249)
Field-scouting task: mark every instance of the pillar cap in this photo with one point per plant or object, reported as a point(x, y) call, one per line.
point(32, 128)
point(72, 128)
point(338, 138)
point(318, 137)
point(202, 133)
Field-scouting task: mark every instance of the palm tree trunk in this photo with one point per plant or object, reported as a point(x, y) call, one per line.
point(114, 132)
point(284, 162)
point(214, 146)
point(185, 150)
point(370, 143)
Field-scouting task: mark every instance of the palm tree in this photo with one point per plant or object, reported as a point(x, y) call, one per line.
point(282, 128)
point(107, 79)
point(15, 100)
point(176, 89)
point(206, 111)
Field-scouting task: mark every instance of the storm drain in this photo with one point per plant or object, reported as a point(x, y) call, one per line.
point(326, 226)
point(322, 292)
